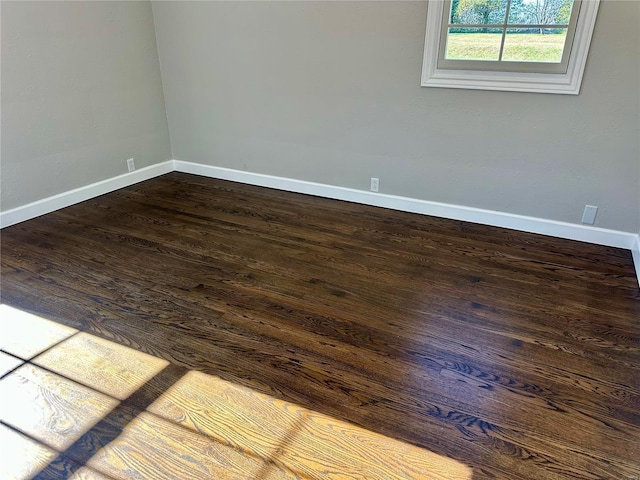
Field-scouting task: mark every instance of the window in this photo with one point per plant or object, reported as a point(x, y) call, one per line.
point(516, 45)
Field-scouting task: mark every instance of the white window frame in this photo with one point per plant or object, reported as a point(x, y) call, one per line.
point(525, 81)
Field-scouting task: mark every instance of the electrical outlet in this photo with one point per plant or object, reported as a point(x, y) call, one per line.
point(589, 215)
point(130, 165)
point(375, 184)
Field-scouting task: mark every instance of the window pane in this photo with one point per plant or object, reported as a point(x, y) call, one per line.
point(534, 47)
point(540, 12)
point(478, 12)
point(472, 44)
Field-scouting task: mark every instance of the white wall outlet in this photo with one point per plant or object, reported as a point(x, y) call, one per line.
point(375, 184)
point(589, 215)
point(130, 165)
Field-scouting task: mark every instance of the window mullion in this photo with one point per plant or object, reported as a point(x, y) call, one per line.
point(504, 30)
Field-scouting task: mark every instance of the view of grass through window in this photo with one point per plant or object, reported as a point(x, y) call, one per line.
point(508, 30)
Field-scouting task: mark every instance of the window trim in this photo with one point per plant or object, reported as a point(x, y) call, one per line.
point(560, 83)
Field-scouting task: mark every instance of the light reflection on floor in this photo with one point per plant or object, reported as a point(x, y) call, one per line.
point(78, 406)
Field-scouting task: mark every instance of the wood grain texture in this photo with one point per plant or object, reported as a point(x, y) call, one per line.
point(63, 468)
point(102, 365)
point(515, 354)
point(50, 409)
point(314, 445)
point(205, 427)
point(86, 473)
point(155, 448)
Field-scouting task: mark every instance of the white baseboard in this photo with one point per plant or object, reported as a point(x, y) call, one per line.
point(66, 199)
point(635, 251)
point(584, 233)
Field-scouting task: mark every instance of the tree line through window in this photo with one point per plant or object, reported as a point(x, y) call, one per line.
point(508, 30)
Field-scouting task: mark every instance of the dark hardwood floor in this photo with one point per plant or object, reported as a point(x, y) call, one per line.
point(515, 354)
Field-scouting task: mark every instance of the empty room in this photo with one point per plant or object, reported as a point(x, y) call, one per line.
point(320, 239)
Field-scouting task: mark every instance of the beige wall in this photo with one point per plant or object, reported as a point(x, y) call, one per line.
point(81, 93)
point(321, 91)
point(329, 92)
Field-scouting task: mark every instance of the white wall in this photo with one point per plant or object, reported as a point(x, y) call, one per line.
point(329, 92)
point(81, 93)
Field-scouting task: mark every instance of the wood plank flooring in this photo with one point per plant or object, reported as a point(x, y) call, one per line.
point(91, 408)
point(514, 354)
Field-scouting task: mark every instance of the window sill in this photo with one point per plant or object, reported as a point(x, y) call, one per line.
point(503, 81)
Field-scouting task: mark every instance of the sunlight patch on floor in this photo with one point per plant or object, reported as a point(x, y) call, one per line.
point(102, 365)
point(72, 401)
point(24, 335)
